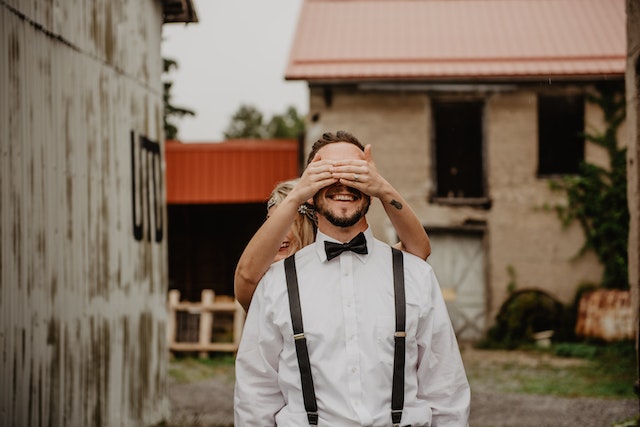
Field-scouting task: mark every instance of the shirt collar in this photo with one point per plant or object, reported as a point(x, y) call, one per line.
point(321, 238)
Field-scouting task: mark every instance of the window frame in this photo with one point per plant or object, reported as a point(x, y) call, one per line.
point(483, 199)
point(578, 154)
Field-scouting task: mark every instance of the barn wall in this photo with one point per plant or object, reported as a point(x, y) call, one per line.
point(83, 248)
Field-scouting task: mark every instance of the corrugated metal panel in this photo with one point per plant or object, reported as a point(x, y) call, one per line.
point(228, 172)
point(386, 39)
point(82, 300)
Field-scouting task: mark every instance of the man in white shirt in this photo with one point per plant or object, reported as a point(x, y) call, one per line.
point(348, 310)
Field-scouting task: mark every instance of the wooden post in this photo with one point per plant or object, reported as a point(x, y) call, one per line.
point(205, 309)
point(206, 320)
point(174, 300)
point(238, 323)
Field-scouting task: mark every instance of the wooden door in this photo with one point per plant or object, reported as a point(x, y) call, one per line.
point(458, 261)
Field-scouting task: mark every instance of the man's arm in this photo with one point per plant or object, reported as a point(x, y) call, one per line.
point(442, 380)
point(257, 395)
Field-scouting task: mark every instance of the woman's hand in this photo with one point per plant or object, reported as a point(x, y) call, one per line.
point(364, 176)
point(361, 174)
point(316, 176)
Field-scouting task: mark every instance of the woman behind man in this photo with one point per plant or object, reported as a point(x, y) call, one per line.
point(289, 225)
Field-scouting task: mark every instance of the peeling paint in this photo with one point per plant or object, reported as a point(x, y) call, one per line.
point(81, 300)
point(17, 238)
point(109, 40)
point(14, 49)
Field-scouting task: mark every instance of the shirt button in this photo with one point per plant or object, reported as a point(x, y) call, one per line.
point(354, 369)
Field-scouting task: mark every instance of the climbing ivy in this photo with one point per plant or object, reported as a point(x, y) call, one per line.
point(597, 197)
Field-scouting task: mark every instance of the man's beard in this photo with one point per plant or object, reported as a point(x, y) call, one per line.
point(347, 221)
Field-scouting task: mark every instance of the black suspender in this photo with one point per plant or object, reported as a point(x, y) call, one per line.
point(308, 393)
point(397, 392)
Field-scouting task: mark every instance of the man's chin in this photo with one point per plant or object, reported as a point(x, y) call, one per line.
point(344, 220)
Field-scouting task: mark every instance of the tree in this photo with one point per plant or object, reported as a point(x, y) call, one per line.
point(597, 198)
point(248, 122)
point(170, 129)
point(287, 125)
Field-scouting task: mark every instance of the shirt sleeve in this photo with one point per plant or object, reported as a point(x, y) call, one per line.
point(257, 396)
point(442, 380)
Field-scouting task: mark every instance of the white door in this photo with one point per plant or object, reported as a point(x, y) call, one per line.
point(457, 258)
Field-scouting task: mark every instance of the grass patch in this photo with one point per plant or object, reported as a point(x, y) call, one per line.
point(187, 369)
point(566, 370)
point(613, 370)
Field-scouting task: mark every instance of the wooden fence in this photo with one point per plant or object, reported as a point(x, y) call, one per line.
point(205, 310)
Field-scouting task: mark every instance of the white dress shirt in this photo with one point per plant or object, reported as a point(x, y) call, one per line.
point(349, 322)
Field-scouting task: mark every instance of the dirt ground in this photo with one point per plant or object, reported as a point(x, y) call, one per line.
point(209, 403)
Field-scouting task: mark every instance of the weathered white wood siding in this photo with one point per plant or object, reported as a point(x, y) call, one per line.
point(82, 297)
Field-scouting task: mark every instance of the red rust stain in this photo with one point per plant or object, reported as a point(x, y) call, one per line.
point(605, 314)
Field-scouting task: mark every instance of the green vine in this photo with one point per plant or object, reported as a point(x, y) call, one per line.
point(597, 197)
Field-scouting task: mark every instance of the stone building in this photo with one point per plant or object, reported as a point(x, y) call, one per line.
point(472, 107)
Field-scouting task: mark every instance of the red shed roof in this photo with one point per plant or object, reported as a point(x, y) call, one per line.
point(457, 39)
point(237, 171)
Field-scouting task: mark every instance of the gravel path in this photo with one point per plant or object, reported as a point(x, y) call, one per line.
point(209, 403)
point(526, 410)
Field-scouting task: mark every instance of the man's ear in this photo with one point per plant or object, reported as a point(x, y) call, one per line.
point(310, 201)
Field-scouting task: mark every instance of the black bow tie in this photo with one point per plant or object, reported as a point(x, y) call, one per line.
point(358, 245)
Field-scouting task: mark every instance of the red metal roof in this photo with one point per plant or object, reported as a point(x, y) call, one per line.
point(455, 39)
point(236, 171)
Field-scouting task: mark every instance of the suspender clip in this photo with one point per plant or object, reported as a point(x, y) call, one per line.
point(299, 336)
point(400, 334)
point(312, 417)
point(396, 416)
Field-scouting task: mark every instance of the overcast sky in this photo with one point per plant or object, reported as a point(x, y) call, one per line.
point(236, 54)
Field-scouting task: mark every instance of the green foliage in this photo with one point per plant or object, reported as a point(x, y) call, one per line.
point(287, 125)
point(249, 122)
point(597, 198)
point(170, 110)
point(572, 349)
point(523, 314)
point(512, 285)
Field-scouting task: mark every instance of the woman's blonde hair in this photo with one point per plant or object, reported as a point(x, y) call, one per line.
point(304, 225)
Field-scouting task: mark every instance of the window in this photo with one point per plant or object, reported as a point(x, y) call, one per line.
point(459, 161)
point(560, 140)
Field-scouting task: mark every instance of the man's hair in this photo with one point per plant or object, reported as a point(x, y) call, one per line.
point(329, 138)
